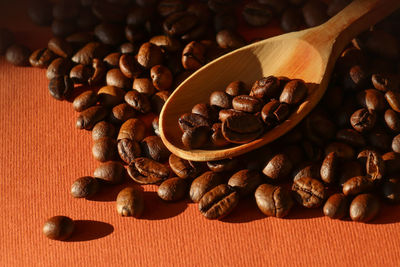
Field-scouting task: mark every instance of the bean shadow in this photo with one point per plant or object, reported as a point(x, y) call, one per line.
point(246, 211)
point(299, 213)
point(86, 230)
point(389, 214)
point(109, 192)
point(157, 209)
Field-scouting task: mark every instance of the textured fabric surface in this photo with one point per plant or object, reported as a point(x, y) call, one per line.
point(42, 153)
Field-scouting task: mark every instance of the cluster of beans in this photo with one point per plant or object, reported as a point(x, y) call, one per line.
point(237, 116)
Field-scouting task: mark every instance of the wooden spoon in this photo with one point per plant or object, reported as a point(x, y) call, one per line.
point(309, 55)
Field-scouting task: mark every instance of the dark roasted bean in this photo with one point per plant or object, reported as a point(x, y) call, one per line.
point(223, 165)
point(41, 58)
point(130, 202)
point(183, 168)
point(58, 67)
point(153, 147)
point(133, 129)
point(242, 128)
point(363, 120)
point(247, 103)
point(308, 192)
point(364, 208)
point(149, 55)
point(293, 92)
point(329, 168)
point(266, 88)
point(138, 101)
point(103, 129)
point(357, 185)
point(336, 206)
point(58, 228)
point(273, 201)
point(245, 181)
point(61, 87)
point(111, 171)
point(204, 183)
point(128, 150)
point(257, 14)
point(193, 56)
point(172, 189)
point(18, 55)
point(84, 187)
point(105, 149)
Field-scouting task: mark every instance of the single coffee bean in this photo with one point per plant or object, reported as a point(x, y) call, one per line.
point(84, 187)
point(308, 170)
point(391, 190)
point(105, 149)
point(356, 77)
point(228, 39)
point(103, 129)
point(18, 55)
point(144, 86)
point(372, 99)
point(89, 52)
point(273, 201)
point(79, 39)
point(274, 112)
point(110, 96)
point(154, 148)
point(217, 137)
point(190, 120)
point(112, 172)
point(392, 162)
point(128, 150)
point(61, 87)
point(167, 43)
point(245, 181)
point(393, 98)
point(380, 43)
point(314, 13)
point(172, 189)
point(329, 167)
point(204, 183)
point(266, 88)
point(129, 66)
point(183, 168)
point(363, 120)
point(128, 48)
point(308, 192)
point(350, 169)
point(357, 185)
point(90, 116)
point(221, 100)
point(396, 144)
point(242, 128)
point(247, 103)
point(375, 166)
point(133, 129)
point(58, 67)
point(168, 7)
point(149, 55)
point(341, 150)
point(161, 77)
point(193, 56)
point(147, 171)
point(293, 92)
point(60, 47)
point(218, 202)
point(195, 137)
point(99, 71)
point(292, 20)
point(158, 100)
point(179, 23)
point(114, 77)
point(392, 120)
point(385, 82)
point(138, 101)
point(109, 33)
point(236, 88)
point(351, 137)
point(130, 202)
point(256, 14)
point(206, 111)
point(112, 60)
point(278, 167)
point(41, 58)
point(59, 228)
point(364, 208)
point(121, 113)
point(223, 165)
point(225, 113)
point(80, 74)
point(336, 206)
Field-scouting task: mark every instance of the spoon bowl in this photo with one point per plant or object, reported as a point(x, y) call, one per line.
point(308, 55)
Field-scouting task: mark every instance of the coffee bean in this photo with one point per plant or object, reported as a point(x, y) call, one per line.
point(293, 92)
point(128, 66)
point(225, 113)
point(112, 172)
point(266, 88)
point(79, 39)
point(80, 74)
point(114, 77)
point(273, 201)
point(90, 51)
point(393, 98)
point(84, 187)
point(103, 129)
point(341, 150)
point(168, 7)
point(179, 23)
point(110, 96)
point(206, 111)
point(357, 185)
point(167, 43)
point(380, 43)
point(256, 14)
point(193, 56)
point(59, 228)
point(274, 112)
point(149, 55)
point(396, 144)
point(221, 100)
point(121, 113)
point(158, 100)
point(392, 163)
point(147, 171)
point(278, 167)
point(329, 168)
point(227, 39)
point(138, 101)
point(351, 137)
point(183, 168)
point(144, 86)
point(161, 77)
point(363, 120)
point(90, 116)
point(41, 58)
point(154, 148)
point(309, 170)
point(308, 192)
point(17, 55)
point(109, 33)
point(128, 48)
point(172, 189)
point(375, 166)
point(58, 67)
point(195, 137)
point(133, 129)
point(190, 120)
point(385, 82)
point(112, 60)
point(204, 183)
point(336, 206)
point(364, 208)
point(217, 137)
point(356, 77)
point(128, 150)
point(242, 128)
point(63, 28)
point(314, 13)
point(223, 165)
point(108, 11)
point(391, 190)
point(130, 202)
point(245, 181)
point(84, 100)
point(60, 47)
point(97, 76)
point(247, 103)
point(392, 120)
point(104, 149)
point(40, 12)
point(372, 99)
point(292, 20)
point(61, 87)
point(218, 202)
point(236, 88)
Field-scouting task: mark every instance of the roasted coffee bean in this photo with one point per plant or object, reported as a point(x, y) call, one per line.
point(193, 55)
point(314, 13)
point(273, 201)
point(341, 150)
point(392, 120)
point(99, 71)
point(357, 185)
point(63, 28)
point(58, 67)
point(190, 120)
point(227, 39)
point(206, 111)
point(309, 170)
point(84, 187)
point(121, 113)
point(154, 148)
point(379, 139)
point(109, 33)
point(351, 137)
point(329, 167)
point(130, 202)
point(172, 189)
point(167, 43)
point(247, 103)
point(80, 74)
point(41, 58)
point(364, 208)
point(278, 167)
point(90, 116)
point(84, 100)
point(59, 228)
point(274, 112)
point(183, 168)
point(375, 166)
point(158, 100)
point(79, 39)
point(103, 129)
point(112, 172)
point(266, 88)
point(220, 100)
point(242, 128)
point(61, 87)
point(223, 165)
point(256, 14)
point(391, 190)
point(149, 55)
point(128, 48)
point(245, 181)
point(128, 150)
point(308, 192)
point(105, 149)
point(161, 77)
point(90, 51)
point(127, 64)
point(393, 98)
point(396, 144)
point(147, 171)
point(138, 101)
point(350, 169)
point(112, 60)
point(133, 129)
point(380, 43)
point(217, 137)
point(385, 82)
point(179, 23)
point(371, 99)
point(292, 20)
point(356, 77)
point(392, 163)
point(60, 47)
point(195, 137)
point(363, 120)
point(225, 113)
point(204, 183)
point(135, 33)
point(218, 202)
point(40, 12)
point(17, 55)
point(236, 88)
point(144, 86)
point(110, 96)
point(293, 92)
point(336, 206)
point(114, 77)
point(156, 126)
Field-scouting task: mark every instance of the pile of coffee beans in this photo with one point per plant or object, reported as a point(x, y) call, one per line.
point(118, 61)
point(237, 116)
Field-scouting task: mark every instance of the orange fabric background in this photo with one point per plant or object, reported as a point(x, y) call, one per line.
point(42, 153)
